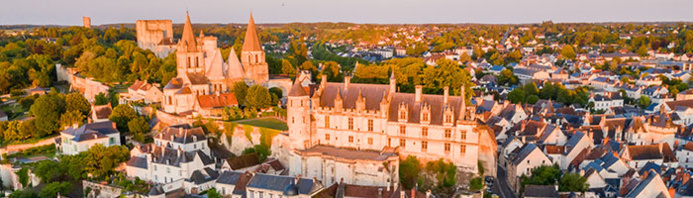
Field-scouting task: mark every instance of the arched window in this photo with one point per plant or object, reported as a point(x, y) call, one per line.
point(257, 58)
point(188, 63)
point(170, 101)
point(197, 61)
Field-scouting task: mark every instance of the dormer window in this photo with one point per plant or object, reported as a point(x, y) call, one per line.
point(403, 112)
point(448, 118)
point(425, 113)
point(194, 138)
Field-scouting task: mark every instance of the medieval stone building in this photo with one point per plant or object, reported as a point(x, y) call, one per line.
point(336, 128)
point(202, 70)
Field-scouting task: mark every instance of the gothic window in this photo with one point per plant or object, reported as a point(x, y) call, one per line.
point(448, 118)
point(403, 115)
point(424, 117)
point(257, 58)
point(402, 129)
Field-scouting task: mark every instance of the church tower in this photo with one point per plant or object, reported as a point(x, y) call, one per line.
point(190, 56)
point(253, 57)
point(298, 117)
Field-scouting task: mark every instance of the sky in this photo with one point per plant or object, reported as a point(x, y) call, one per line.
point(70, 12)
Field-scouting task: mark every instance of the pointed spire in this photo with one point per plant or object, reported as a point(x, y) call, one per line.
point(251, 42)
point(297, 89)
point(187, 43)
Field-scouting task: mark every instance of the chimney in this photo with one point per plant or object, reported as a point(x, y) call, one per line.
point(446, 94)
point(347, 80)
point(113, 124)
point(323, 80)
point(75, 125)
point(660, 147)
point(413, 192)
point(418, 92)
point(388, 187)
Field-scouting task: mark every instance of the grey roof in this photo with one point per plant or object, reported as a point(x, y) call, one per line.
point(203, 176)
point(197, 78)
point(435, 103)
point(174, 157)
point(278, 183)
point(540, 191)
point(92, 131)
point(372, 93)
point(524, 152)
point(524, 71)
point(297, 90)
point(643, 184)
point(174, 83)
point(139, 162)
point(182, 133)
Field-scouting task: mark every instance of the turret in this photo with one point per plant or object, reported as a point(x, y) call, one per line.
point(298, 116)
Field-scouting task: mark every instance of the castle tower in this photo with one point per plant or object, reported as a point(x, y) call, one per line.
point(190, 56)
point(253, 57)
point(86, 22)
point(298, 117)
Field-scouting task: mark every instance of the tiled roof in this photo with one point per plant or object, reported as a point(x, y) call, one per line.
point(102, 111)
point(243, 161)
point(92, 131)
point(217, 101)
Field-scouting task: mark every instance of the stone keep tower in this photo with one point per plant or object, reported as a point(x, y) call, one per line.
point(190, 56)
point(298, 117)
point(253, 57)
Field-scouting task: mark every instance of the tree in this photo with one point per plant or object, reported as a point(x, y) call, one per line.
point(121, 115)
point(138, 127)
point(52, 189)
point(543, 175)
point(100, 99)
point(516, 96)
point(212, 193)
point(409, 171)
point(573, 182)
point(333, 72)
point(507, 77)
point(100, 161)
point(47, 170)
point(258, 97)
point(288, 68)
point(532, 99)
point(643, 102)
point(568, 52)
point(76, 101)
point(46, 111)
point(71, 118)
point(240, 90)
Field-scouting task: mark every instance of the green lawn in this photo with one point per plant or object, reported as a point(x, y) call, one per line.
point(270, 123)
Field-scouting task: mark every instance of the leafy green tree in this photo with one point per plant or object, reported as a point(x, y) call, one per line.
point(121, 115)
point(52, 189)
point(332, 70)
point(573, 182)
point(100, 99)
point(532, 99)
point(138, 127)
point(47, 170)
point(258, 97)
point(232, 113)
point(517, 96)
point(643, 102)
point(68, 119)
point(212, 193)
point(46, 111)
point(100, 161)
point(76, 101)
point(240, 90)
point(409, 171)
point(543, 175)
point(288, 68)
point(507, 77)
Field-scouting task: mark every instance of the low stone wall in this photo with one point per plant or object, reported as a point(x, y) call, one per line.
point(12, 149)
point(94, 190)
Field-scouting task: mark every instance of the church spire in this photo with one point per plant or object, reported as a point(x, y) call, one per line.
point(188, 42)
point(251, 43)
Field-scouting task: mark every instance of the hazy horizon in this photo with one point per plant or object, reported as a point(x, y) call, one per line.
point(70, 12)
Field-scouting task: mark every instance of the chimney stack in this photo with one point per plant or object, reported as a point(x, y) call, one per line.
point(113, 124)
point(323, 80)
point(418, 92)
point(75, 125)
point(446, 94)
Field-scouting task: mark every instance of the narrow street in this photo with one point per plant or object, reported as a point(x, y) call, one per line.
point(500, 186)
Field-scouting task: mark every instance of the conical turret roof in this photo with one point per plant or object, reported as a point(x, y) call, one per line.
point(251, 43)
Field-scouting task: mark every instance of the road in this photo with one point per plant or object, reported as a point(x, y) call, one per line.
point(500, 186)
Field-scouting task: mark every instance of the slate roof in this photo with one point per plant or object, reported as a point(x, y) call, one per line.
point(540, 191)
point(182, 133)
point(91, 131)
point(203, 176)
point(197, 78)
point(434, 101)
point(139, 162)
point(174, 83)
point(278, 183)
